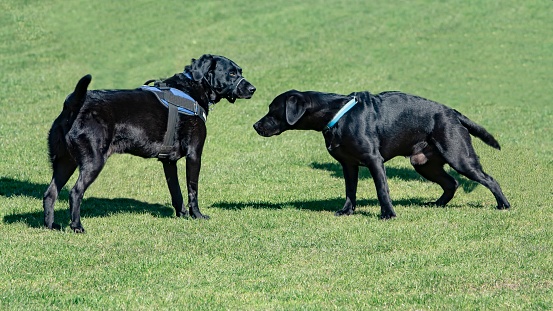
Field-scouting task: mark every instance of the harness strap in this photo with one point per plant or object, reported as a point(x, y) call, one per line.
point(185, 105)
point(169, 138)
point(175, 104)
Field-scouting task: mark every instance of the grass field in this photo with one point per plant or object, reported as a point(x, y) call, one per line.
point(272, 242)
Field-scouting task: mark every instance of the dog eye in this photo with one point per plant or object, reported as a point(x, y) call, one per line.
point(232, 73)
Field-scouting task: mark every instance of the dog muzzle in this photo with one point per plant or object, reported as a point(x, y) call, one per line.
point(231, 90)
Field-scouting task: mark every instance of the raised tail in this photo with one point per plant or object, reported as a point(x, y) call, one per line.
point(57, 146)
point(75, 100)
point(478, 131)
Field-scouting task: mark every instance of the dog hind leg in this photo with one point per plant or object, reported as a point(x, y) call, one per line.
point(89, 171)
point(63, 169)
point(433, 170)
point(474, 171)
point(457, 150)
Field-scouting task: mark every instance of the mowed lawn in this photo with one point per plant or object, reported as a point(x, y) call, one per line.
point(272, 242)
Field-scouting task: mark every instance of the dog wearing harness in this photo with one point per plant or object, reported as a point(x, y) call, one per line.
point(178, 102)
point(164, 121)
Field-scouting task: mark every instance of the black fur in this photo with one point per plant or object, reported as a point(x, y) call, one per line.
point(93, 125)
point(384, 126)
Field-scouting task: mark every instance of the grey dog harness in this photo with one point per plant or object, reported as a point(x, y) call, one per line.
point(177, 102)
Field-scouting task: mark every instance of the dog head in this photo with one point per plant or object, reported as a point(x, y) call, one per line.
point(222, 76)
point(286, 112)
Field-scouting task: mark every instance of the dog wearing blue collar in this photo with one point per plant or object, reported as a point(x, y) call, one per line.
point(364, 129)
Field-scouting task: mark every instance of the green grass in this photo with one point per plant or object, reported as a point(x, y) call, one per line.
point(272, 241)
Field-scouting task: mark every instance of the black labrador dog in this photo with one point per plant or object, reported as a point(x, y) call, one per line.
point(95, 124)
point(379, 127)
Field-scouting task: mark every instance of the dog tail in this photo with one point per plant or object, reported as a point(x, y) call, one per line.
point(478, 131)
point(75, 100)
point(57, 146)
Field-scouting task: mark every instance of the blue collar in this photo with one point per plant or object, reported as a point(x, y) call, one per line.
point(341, 113)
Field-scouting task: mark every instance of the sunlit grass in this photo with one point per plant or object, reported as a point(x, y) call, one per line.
point(272, 241)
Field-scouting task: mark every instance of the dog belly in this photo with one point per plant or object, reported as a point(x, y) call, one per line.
point(140, 149)
point(404, 144)
point(134, 140)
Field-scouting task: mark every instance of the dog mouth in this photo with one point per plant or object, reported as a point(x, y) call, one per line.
point(233, 96)
point(261, 131)
point(263, 134)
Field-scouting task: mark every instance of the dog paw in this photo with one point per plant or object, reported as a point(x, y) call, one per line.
point(344, 212)
point(200, 216)
point(54, 226)
point(184, 214)
point(433, 204)
point(387, 216)
point(78, 229)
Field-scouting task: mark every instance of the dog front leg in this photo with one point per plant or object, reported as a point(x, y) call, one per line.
point(171, 176)
point(378, 172)
point(193, 164)
point(351, 176)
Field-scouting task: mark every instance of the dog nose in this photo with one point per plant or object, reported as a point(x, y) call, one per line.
point(251, 89)
point(257, 127)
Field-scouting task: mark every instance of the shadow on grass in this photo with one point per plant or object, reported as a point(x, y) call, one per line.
point(333, 205)
point(395, 172)
point(91, 207)
point(330, 205)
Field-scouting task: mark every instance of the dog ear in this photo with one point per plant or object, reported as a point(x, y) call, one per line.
point(294, 111)
point(200, 67)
